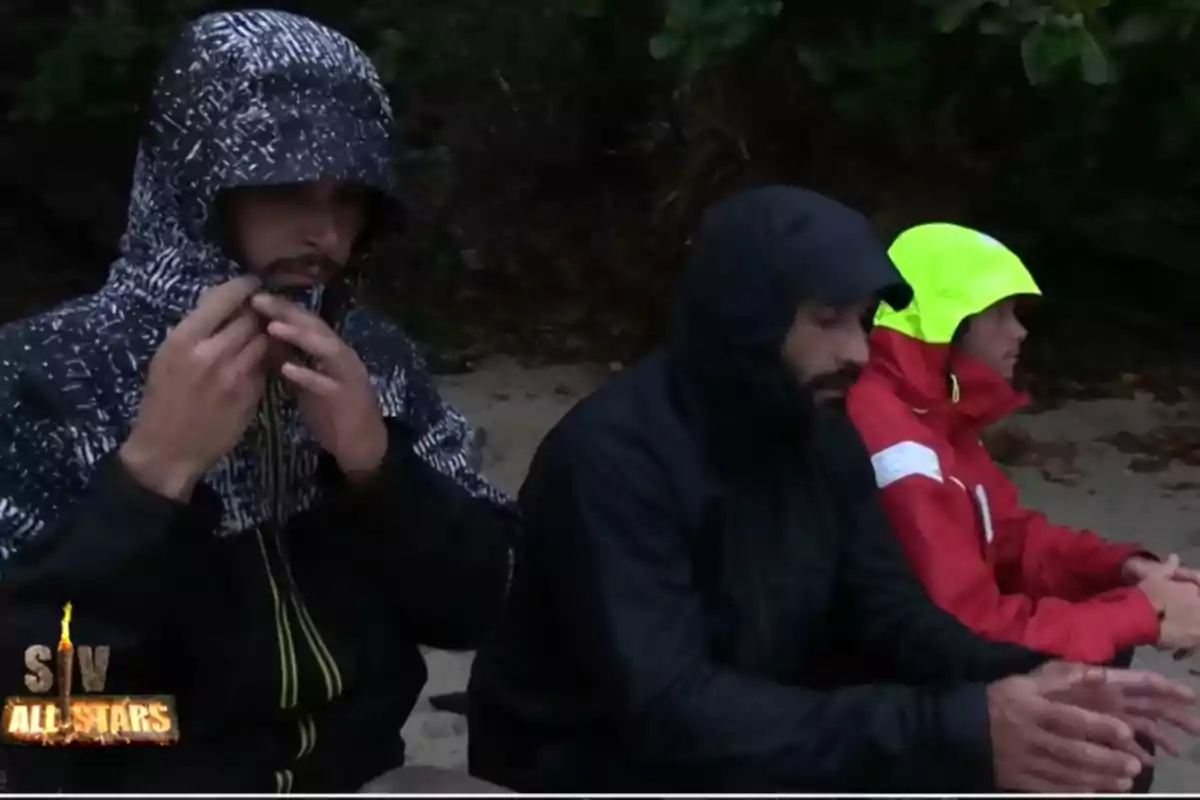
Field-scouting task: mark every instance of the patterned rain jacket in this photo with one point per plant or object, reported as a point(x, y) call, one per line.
point(280, 607)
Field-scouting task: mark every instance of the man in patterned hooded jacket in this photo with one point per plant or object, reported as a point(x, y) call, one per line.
point(256, 499)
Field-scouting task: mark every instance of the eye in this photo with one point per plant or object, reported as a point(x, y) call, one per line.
point(826, 318)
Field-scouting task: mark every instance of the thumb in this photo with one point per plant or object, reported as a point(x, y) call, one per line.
point(1167, 568)
point(1061, 676)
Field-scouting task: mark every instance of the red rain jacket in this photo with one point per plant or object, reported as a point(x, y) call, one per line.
point(1003, 570)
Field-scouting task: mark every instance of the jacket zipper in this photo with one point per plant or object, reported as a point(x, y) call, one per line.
point(306, 726)
point(289, 678)
point(283, 781)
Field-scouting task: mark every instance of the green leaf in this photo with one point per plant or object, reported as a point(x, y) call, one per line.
point(1031, 13)
point(996, 26)
point(1094, 64)
point(1139, 28)
point(737, 32)
point(1045, 49)
point(951, 15)
point(1037, 67)
point(665, 45)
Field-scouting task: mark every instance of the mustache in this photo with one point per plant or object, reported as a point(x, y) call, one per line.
point(324, 265)
point(838, 381)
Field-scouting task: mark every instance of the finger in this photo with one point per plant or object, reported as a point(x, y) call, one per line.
point(324, 346)
point(1168, 712)
point(1154, 731)
point(1074, 748)
point(1146, 683)
point(1189, 575)
point(1080, 723)
point(1168, 567)
point(1062, 676)
point(230, 339)
point(308, 379)
point(215, 307)
point(250, 357)
point(1042, 766)
point(277, 308)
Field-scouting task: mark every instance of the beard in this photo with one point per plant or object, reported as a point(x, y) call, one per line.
point(829, 389)
point(321, 266)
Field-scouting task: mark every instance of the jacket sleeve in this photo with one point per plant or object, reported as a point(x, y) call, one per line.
point(894, 614)
point(441, 535)
point(1050, 560)
point(935, 522)
point(106, 545)
point(612, 542)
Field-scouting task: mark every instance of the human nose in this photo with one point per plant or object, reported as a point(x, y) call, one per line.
point(1019, 331)
point(321, 229)
point(856, 349)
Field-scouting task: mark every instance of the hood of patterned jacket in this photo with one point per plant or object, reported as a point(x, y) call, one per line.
point(245, 98)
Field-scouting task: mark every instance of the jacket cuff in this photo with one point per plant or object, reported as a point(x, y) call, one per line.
point(137, 512)
point(391, 485)
point(1114, 556)
point(1134, 620)
point(968, 742)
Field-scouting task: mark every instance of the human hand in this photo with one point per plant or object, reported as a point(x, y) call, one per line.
point(1138, 568)
point(1178, 604)
point(1147, 701)
point(201, 392)
point(335, 396)
point(1044, 744)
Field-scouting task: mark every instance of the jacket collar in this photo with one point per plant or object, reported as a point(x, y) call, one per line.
point(924, 376)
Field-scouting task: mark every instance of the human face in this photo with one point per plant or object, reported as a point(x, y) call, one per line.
point(296, 234)
point(826, 349)
point(994, 336)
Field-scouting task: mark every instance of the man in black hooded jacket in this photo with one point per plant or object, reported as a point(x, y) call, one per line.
point(256, 500)
point(705, 564)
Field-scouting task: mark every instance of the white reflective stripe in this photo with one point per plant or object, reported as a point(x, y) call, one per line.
point(961, 485)
point(985, 514)
point(903, 460)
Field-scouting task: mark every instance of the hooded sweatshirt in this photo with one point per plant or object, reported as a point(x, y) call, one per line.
point(920, 406)
point(280, 606)
point(705, 550)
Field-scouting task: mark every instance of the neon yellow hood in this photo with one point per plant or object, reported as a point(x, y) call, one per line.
point(954, 272)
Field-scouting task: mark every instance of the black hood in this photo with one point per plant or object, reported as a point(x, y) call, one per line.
point(757, 257)
point(246, 98)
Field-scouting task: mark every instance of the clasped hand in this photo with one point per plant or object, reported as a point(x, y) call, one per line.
point(1174, 591)
point(336, 399)
point(208, 377)
point(1071, 727)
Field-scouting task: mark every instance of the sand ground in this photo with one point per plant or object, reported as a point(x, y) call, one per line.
point(1066, 469)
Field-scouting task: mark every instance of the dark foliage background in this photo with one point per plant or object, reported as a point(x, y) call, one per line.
point(559, 151)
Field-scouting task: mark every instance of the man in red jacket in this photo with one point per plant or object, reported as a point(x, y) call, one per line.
point(938, 374)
